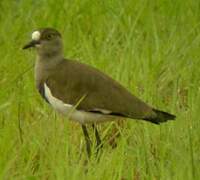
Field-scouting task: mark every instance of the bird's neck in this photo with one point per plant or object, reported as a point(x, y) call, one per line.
point(49, 61)
point(45, 65)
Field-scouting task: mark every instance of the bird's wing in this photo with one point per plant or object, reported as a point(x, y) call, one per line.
point(93, 91)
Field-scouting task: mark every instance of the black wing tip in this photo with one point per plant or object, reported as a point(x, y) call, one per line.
point(160, 117)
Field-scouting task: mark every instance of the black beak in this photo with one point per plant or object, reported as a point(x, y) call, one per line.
point(31, 44)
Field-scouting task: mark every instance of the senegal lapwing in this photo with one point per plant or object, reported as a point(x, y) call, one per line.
point(81, 92)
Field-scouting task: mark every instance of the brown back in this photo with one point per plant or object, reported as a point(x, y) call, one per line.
point(73, 81)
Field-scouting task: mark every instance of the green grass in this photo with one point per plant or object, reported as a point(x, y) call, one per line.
point(151, 47)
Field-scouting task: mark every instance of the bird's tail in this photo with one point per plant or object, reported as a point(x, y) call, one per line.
point(160, 117)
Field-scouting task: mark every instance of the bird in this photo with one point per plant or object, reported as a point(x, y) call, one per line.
point(81, 92)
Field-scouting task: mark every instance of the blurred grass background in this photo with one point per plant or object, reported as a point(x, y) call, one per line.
point(151, 47)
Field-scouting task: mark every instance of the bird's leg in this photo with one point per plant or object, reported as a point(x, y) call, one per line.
point(99, 144)
point(87, 140)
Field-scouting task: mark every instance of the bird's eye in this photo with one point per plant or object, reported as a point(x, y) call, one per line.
point(49, 36)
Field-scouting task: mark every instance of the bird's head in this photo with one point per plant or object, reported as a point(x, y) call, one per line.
point(47, 41)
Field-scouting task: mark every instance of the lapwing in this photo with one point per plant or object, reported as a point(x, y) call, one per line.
point(83, 93)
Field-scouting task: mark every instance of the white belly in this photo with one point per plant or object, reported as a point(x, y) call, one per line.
point(72, 113)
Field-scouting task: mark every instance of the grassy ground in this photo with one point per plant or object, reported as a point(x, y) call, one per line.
point(151, 47)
